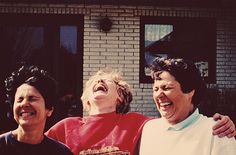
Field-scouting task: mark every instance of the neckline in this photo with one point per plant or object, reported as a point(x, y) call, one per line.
point(103, 114)
point(101, 117)
point(15, 141)
point(185, 123)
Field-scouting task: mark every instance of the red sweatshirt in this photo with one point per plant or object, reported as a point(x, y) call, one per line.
point(93, 134)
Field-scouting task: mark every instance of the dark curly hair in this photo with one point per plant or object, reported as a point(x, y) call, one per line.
point(185, 72)
point(33, 76)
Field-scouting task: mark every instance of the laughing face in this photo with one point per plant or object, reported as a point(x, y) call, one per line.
point(104, 96)
point(172, 103)
point(29, 107)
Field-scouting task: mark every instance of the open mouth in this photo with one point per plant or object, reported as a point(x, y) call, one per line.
point(26, 113)
point(100, 88)
point(166, 109)
point(165, 105)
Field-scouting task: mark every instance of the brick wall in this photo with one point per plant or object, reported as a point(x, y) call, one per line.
point(120, 47)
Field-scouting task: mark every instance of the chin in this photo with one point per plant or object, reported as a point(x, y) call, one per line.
point(168, 117)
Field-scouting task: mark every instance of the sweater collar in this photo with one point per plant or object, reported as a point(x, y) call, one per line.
point(185, 123)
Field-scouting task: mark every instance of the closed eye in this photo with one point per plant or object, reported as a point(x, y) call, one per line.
point(32, 98)
point(166, 88)
point(19, 100)
point(155, 89)
point(163, 87)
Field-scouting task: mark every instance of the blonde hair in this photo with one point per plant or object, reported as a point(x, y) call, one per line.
point(124, 90)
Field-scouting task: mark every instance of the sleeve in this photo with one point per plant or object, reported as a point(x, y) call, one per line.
point(57, 132)
point(224, 145)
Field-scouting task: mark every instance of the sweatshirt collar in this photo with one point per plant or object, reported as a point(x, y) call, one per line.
point(185, 123)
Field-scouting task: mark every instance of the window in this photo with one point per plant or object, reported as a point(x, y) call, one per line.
point(189, 38)
point(53, 42)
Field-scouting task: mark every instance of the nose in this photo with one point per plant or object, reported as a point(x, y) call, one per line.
point(159, 94)
point(24, 103)
point(100, 80)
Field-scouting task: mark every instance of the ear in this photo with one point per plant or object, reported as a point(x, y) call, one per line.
point(119, 99)
point(191, 93)
point(49, 112)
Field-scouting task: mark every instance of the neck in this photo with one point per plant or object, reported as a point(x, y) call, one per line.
point(28, 136)
point(192, 110)
point(187, 112)
point(95, 111)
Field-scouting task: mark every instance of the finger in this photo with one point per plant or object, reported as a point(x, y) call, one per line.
point(222, 122)
point(220, 131)
point(234, 134)
point(231, 132)
point(221, 128)
point(217, 116)
point(228, 132)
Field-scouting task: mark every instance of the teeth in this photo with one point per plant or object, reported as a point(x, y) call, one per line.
point(165, 104)
point(25, 114)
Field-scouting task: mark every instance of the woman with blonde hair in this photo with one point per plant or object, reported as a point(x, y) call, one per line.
point(108, 128)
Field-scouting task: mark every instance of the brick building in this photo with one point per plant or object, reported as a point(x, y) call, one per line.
point(121, 46)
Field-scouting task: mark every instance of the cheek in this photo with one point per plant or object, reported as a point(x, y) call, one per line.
point(178, 99)
point(154, 96)
point(14, 111)
point(15, 107)
point(173, 95)
point(113, 89)
point(88, 92)
point(114, 94)
point(155, 99)
point(39, 105)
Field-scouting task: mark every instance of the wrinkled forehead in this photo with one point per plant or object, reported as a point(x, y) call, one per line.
point(103, 77)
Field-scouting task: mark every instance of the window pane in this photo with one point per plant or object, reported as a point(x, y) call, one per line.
point(19, 43)
point(68, 38)
point(155, 33)
point(179, 37)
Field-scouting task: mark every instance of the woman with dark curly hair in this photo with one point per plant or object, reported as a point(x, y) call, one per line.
point(178, 89)
point(31, 92)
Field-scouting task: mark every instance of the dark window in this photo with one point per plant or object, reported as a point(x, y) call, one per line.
point(190, 38)
point(53, 42)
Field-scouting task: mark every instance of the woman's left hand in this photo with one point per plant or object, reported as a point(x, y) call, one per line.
point(224, 126)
